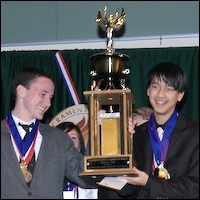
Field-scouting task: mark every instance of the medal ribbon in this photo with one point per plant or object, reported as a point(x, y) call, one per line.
point(75, 192)
point(160, 147)
point(72, 188)
point(23, 146)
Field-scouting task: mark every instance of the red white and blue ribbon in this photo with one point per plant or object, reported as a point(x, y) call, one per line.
point(70, 187)
point(67, 78)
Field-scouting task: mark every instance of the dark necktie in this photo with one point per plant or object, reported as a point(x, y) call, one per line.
point(26, 127)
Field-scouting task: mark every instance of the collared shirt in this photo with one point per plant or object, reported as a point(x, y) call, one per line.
point(22, 134)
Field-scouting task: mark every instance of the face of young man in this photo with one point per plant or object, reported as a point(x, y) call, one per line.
point(36, 100)
point(163, 99)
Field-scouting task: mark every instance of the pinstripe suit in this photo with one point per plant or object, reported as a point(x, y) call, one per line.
point(57, 157)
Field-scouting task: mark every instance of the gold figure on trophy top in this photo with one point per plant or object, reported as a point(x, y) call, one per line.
point(113, 22)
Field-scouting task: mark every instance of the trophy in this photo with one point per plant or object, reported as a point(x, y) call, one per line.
point(110, 143)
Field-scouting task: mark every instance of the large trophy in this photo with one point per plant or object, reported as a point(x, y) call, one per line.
point(110, 143)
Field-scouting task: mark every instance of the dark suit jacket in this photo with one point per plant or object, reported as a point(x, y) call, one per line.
point(57, 157)
point(182, 163)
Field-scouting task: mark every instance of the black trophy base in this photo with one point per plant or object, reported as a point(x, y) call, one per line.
point(93, 178)
point(98, 167)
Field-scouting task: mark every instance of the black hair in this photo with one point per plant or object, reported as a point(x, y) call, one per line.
point(171, 74)
point(68, 126)
point(25, 77)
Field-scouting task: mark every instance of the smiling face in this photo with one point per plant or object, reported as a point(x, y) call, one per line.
point(163, 99)
point(33, 102)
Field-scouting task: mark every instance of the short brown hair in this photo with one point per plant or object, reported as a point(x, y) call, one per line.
point(144, 112)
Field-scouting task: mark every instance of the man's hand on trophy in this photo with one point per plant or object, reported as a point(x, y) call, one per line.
point(99, 116)
point(131, 125)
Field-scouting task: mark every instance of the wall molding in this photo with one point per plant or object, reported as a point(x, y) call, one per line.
point(187, 40)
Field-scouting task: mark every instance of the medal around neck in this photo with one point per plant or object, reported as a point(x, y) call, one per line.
point(27, 174)
point(161, 172)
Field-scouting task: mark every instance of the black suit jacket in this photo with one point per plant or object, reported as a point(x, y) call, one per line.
point(182, 163)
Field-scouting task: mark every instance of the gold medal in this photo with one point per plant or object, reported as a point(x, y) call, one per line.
point(28, 177)
point(161, 172)
point(27, 174)
point(23, 168)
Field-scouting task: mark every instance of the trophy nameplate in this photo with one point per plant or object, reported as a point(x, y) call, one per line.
point(107, 164)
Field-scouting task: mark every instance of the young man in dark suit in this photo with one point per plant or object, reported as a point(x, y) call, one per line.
point(52, 151)
point(168, 164)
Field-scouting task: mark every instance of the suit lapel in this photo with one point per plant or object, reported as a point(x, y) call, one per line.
point(9, 154)
point(148, 154)
point(175, 135)
point(44, 152)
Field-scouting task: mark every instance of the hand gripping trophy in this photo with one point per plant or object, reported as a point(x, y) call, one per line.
point(108, 69)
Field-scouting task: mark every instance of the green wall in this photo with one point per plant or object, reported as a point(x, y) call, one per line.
point(57, 21)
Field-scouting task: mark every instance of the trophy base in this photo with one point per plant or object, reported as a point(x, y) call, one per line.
point(98, 167)
point(94, 177)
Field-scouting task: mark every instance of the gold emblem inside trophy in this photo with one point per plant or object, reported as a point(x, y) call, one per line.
point(110, 142)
